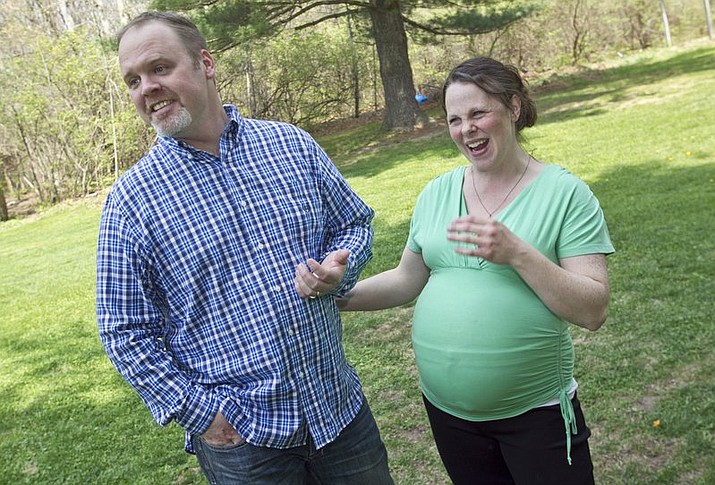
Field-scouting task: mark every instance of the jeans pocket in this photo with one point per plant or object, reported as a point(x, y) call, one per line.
point(223, 446)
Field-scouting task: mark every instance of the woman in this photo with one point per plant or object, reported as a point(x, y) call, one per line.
point(502, 254)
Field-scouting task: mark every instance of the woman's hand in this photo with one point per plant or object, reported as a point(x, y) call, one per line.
point(484, 238)
point(575, 288)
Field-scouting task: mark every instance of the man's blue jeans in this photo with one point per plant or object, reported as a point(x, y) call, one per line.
point(357, 457)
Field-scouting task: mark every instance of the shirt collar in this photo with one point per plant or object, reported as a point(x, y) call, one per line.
point(235, 121)
point(233, 127)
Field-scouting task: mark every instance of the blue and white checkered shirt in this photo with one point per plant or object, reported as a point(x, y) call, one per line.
point(196, 302)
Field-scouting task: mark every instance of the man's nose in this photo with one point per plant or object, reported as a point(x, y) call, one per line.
point(149, 85)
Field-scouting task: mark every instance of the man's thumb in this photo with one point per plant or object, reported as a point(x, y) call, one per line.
point(341, 256)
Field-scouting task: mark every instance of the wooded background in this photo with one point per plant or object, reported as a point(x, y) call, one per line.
point(68, 129)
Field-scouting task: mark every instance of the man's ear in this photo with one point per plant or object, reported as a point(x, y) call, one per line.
point(207, 64)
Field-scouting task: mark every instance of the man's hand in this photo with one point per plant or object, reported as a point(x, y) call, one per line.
point(221, 433)
point(314, 279)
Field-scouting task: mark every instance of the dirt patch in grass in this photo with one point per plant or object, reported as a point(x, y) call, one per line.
point(639, 438)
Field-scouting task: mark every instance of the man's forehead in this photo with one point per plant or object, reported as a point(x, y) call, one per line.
point(150, 34)
point(146, 43)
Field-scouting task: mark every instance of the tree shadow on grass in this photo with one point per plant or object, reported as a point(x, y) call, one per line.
point(561, 99)
point(417, 148)
point(656, 206)
point(71, 419)
point(657, 341)
point(565, 97)
point(661, 222)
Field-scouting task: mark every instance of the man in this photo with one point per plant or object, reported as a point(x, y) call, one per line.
point(219, 255)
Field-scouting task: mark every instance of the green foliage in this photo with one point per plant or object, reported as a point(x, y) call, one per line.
point(227, 23)
point(62, 120)
point(307, 76)
point(67, 126)
point(234, 22)
point(571, 32)
point(484, 18)
point(646, 377)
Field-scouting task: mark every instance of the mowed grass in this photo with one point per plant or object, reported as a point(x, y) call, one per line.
point(639, 131)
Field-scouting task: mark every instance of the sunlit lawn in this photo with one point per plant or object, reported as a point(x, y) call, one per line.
point(639, 132)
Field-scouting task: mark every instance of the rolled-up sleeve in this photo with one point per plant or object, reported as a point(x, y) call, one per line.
point(348, 219)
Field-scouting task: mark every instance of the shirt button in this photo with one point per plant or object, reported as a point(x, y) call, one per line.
point(260, 246)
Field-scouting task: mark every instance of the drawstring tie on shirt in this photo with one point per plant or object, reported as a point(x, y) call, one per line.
point(569, 416)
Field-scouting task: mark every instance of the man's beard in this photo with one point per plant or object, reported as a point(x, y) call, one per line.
point(174, 124)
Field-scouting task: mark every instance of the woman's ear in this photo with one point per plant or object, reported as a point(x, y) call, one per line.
point(515, 108)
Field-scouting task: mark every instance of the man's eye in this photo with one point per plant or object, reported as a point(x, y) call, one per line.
point(133, 82)
point(159, 69)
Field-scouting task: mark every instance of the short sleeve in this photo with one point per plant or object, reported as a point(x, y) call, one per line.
point(584, 229)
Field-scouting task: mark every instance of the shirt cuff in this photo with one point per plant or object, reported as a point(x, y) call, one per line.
point(200, 408)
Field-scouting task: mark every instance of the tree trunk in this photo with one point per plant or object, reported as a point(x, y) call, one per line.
point(4, 215)
point(708, 19)
point(401, 109)
point(250, 84)
point(355, 70)
point(666, 24)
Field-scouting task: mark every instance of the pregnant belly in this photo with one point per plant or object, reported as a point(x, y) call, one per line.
point(486, 347)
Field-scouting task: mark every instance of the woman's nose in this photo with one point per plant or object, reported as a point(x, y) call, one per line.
point(469, 127)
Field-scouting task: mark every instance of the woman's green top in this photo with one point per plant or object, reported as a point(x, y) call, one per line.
point(486, 346)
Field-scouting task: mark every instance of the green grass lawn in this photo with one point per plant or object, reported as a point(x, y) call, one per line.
point(640, 131)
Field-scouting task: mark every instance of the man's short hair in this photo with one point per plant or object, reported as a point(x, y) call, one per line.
point(190, 36)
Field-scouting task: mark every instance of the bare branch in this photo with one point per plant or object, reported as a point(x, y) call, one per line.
point(313, 5)
point(322, 19)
